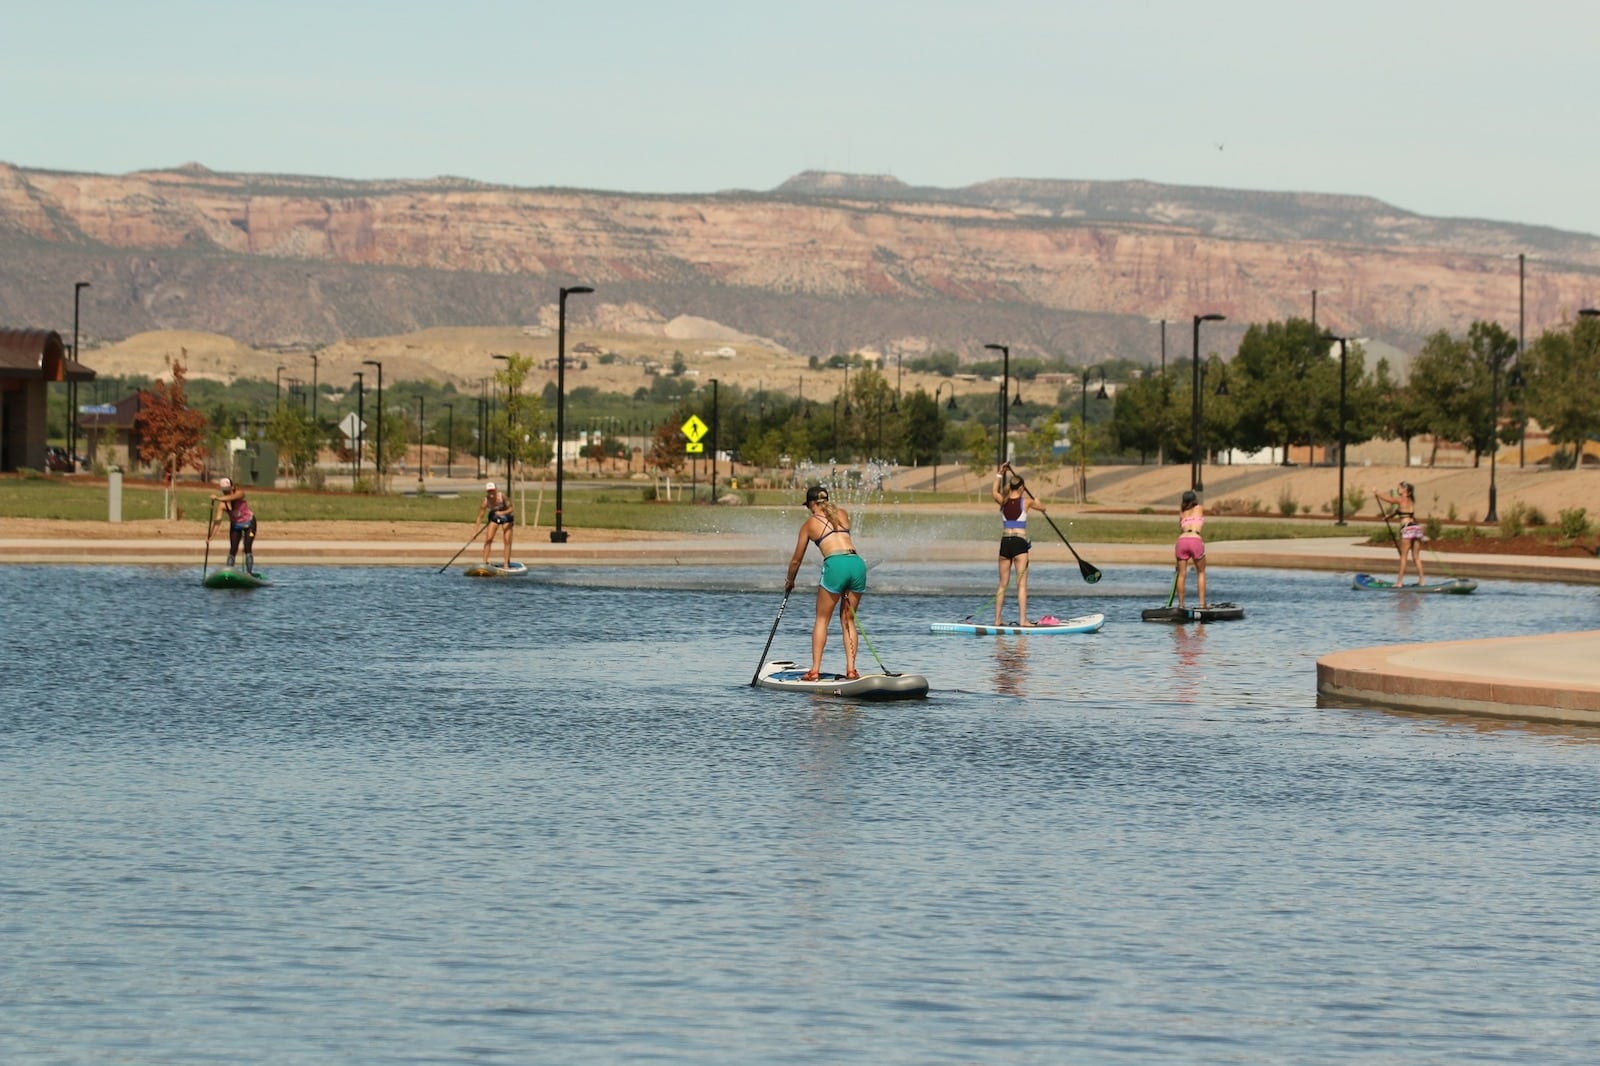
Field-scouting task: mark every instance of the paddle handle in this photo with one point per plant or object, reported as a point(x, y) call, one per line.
point(757, 675)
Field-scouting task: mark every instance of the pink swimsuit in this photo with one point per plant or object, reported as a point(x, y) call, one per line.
point(1190, 544)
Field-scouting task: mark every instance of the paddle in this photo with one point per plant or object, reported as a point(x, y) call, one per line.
point(464, 547)
point(1384, 510)
point(1091, 574)
point(1174, 593)
point(205, 563)
point(757, 675)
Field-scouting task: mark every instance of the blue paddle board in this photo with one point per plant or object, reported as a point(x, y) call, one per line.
point(1455, 586)
point(1088, 623)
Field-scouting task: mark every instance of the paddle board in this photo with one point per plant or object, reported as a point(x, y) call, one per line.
point(1215, 612)
point(1457, 586)
point(496, 570)
point(228, 578)
point(1088, 623)
point(785, 675)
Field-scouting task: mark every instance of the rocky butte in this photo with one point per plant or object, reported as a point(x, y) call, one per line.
point(821, 264)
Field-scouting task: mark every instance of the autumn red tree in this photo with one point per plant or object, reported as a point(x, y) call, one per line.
point(171, 433)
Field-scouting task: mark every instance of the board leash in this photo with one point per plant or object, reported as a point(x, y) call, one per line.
point(856, 618)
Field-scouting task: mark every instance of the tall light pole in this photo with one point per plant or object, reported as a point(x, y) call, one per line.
point(361, 425)
point(277, 389)
point(72, 387)
point(449, 437)
point(1005, 389)
point(421, 423)
point(377, 460)
point(313, 356)
point(1494, 434)
point(511, 413)
point(1196, 457)
point(1101, 395)
point(1161, 438)
point(559, 535)
point(714, 440)
point(938, 421)
point(1522, 312)
point(1343, 342)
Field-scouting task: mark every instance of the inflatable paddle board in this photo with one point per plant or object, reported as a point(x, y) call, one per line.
point(228, 578)
point(1456, 586)
point(1215, 612)
point(1088, 623)
point(496, 570)
point(785, 675)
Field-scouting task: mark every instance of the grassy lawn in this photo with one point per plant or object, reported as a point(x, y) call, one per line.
point(612, 506)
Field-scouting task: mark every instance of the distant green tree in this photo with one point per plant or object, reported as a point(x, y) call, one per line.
point(924, 429)
point(1283, 386)
point(1563, 383)
point(297, 438)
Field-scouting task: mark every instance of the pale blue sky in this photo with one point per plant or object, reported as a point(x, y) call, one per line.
point(1446, 108)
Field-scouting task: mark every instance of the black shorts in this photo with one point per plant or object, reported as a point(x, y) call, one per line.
point(1011, 547)
point(500, 518)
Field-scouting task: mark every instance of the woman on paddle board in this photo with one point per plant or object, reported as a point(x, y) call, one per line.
point(501, 516)
point(1191, 546)
point(1014, 543)
point(844, 577)
point(231, 504)
point(1411, 535)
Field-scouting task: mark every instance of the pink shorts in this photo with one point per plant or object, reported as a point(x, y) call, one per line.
point(1192, 548)
point(1412, 532)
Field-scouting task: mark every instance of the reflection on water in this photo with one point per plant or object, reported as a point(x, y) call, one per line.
point(1188, 645)
point(386, 815)
point(1011, 665)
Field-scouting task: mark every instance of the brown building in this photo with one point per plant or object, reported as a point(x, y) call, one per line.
point(30, 359)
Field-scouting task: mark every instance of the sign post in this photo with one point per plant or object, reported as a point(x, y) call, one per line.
point(694, 429)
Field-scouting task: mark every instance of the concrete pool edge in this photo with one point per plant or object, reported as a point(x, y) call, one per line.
point(1546, 677)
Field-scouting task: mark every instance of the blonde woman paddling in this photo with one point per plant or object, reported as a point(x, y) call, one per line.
point(844, 577)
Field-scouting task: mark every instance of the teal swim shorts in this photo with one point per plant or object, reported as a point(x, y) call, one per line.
point(844, 572)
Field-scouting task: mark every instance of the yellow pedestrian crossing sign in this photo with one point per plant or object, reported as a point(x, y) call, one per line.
point(694, 429)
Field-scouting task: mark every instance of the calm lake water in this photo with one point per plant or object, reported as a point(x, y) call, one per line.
point(385, 815)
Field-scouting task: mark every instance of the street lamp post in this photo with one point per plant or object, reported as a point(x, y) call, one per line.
point(277, 389)
point(421, 423)
point(72, 387)
point(559, 535)
point(1494, 435)
point(713, 440)
point(938, 420)
point(511, 415)
point(361, 426)
point(313, 356)
point(1161, 438)
point(1101, 395)
point(1196, 458)
point(1343, 342)
point(449, 437)
point(377, 460)
point(1005, 388)
point(1522, 313)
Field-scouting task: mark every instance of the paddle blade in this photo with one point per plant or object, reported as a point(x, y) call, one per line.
point(1091, 574)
